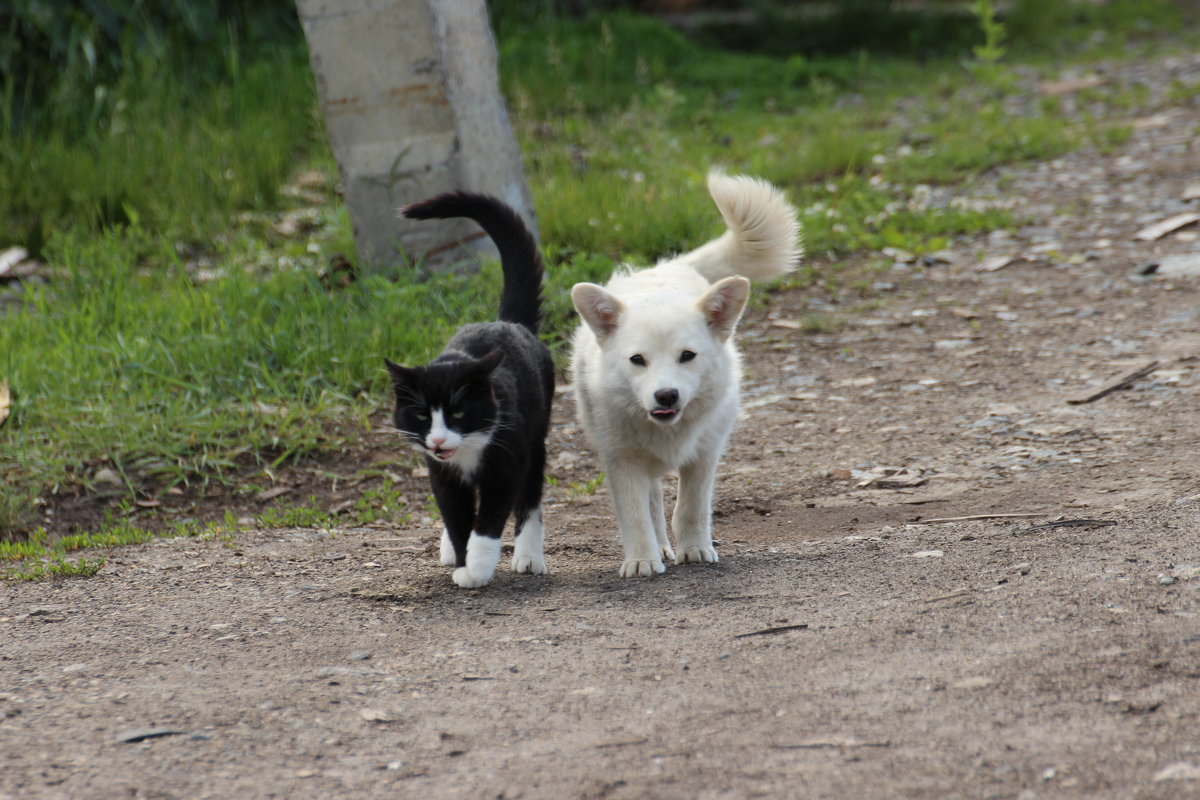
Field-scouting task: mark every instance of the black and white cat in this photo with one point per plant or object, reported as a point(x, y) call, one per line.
point(479, 412)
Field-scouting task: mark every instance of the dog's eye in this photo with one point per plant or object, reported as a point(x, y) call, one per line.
point(638, 359)
point(685, 356)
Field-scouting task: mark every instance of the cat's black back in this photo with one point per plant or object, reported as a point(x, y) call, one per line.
point(486, 398)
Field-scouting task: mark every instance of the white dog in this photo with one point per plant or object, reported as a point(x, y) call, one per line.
point(656, 371)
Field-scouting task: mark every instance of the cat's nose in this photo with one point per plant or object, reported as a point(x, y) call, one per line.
point(666, 397)
point(437, 441)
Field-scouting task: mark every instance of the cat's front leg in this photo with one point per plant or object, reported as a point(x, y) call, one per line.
point(631, 490)
point(457, 506)
point(483, 547)
point(483, 554)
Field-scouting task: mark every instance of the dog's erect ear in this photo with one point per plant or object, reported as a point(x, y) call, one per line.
point(723, 303)
point(400, 375)
point(598, 307)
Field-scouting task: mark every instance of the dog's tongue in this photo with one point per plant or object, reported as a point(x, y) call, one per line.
point(663, 412)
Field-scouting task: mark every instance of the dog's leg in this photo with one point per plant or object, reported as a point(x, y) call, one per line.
point(529, 548)
point(692, 519)
point(659, 517)
point(631, 490)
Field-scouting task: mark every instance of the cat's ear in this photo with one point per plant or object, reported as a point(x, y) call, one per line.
point(489, 362)
point(723, 303)
point(600, 309)
point(400, 375)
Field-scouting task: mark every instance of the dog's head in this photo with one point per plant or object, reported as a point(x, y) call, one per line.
point(664, 350)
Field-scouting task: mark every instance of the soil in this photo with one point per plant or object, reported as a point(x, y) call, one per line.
point(859, 637)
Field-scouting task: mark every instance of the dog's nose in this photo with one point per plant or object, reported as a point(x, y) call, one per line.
point(666, 397)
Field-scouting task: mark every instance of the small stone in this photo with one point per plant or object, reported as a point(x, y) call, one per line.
point(1186, 572)
point(360, 655)
point(106, 476)
point(377, 715)
point(927, 554)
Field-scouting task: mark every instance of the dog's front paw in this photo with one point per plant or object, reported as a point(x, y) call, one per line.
point(463, 577)
point(698, 555)
point(645, 568)
point(534, 565)
point(667, 553)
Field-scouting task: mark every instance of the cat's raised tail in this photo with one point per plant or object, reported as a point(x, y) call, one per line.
point(521, 297)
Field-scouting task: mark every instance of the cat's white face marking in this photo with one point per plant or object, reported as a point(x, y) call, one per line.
point(483, 554)
point(441, 442)
point(451, 447)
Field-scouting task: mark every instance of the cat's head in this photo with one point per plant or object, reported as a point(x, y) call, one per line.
point(447, 410)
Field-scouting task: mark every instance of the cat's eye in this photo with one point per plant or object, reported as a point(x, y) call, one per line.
point(458, 414)
point(638, 359)
point(421, 415)
point(685, 356)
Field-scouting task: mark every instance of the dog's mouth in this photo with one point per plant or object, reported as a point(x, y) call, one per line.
point(664, 414)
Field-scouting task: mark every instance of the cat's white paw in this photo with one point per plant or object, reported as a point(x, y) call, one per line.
point(483, 554)
point(463, 577)
point(698, 555)
point(449, 559)
point(534, 565)
point(642, 568)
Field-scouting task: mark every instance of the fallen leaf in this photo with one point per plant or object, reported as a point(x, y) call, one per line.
point(142, 734)
point(1070, 85)
point(788, 324)
point(1152, 122)
point(5, 402)
point(994, 263)
point(11, 257)
point(1179, 771)
point(269, 494)
point(816, 742)
point(1163, 227)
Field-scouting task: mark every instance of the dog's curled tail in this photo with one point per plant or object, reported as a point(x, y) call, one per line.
point(520, 259)
point(763, 239)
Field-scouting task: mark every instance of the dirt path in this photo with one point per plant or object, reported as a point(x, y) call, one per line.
point(845, 646)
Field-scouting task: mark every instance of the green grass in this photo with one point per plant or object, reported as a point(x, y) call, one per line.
point(167, 155)
point(41, 555)
point(180, 339)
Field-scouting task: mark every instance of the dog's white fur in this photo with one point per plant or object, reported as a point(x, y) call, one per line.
point(687, 305)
